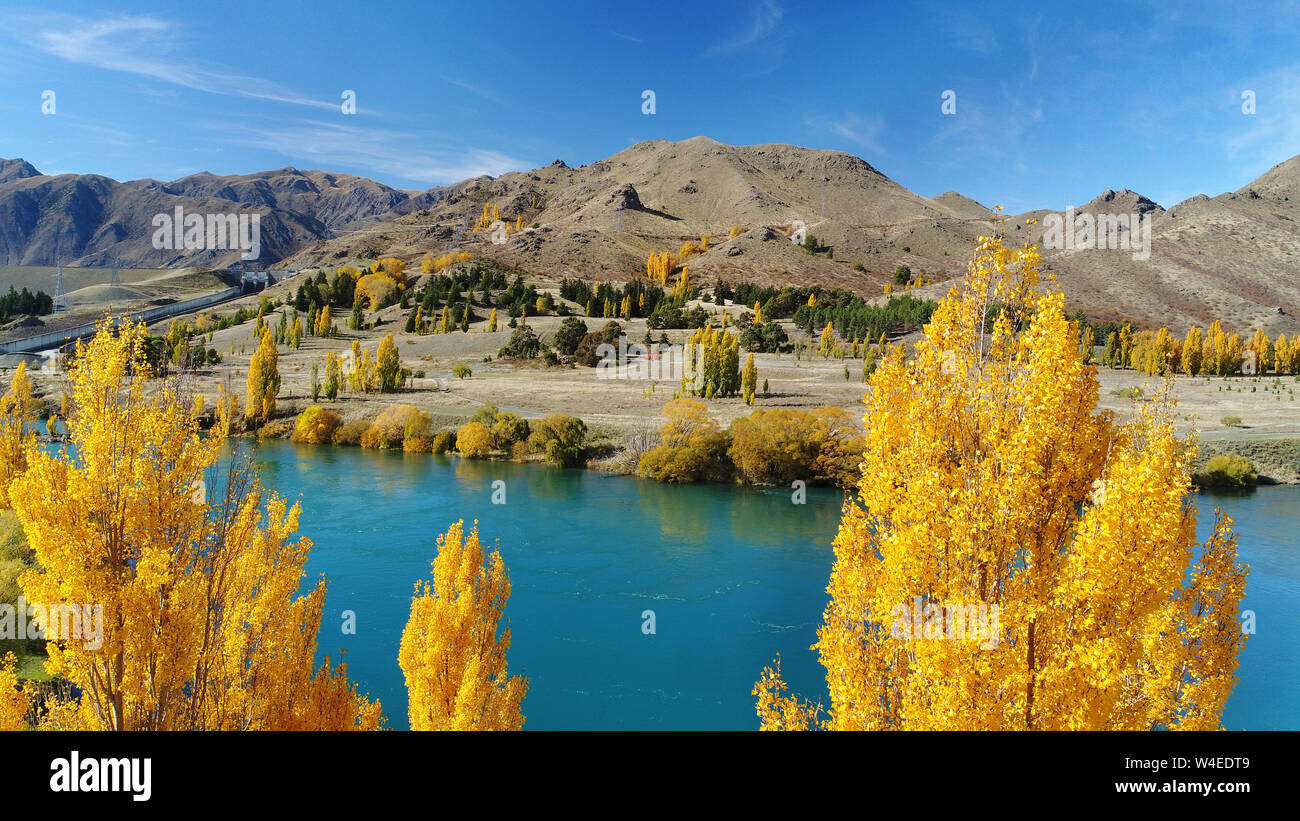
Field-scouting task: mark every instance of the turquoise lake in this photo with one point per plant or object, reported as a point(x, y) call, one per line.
point(734, 577)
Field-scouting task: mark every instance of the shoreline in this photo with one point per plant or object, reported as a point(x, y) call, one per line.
point(1277, 459)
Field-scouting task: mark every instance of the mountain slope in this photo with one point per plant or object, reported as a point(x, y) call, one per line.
point(602, 220)
point(91, 220)
point(1233, 257)
point(340, 201)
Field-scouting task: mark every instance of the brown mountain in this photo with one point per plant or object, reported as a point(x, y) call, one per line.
point(602, 220)
point(341, 201)
point(1235, 257)
point(91, 220)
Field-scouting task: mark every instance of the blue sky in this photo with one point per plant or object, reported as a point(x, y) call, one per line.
point(1053, 106)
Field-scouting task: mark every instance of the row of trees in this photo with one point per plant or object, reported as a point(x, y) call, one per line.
point(769, 302)
point(635, 299)
point(419, 324)
point(857, 319)
point(1209, 352)
point(357, 370)
point(559, 439)
point(18, 303)
point(711, 363)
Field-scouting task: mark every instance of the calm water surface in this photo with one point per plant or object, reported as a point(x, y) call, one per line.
point(733, 575)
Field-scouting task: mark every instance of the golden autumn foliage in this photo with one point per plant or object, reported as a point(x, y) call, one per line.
point(993, 491)
point(17, 412)
point(316, 425)
point(474, 440)
point(453, 650)
point(13, 702)
point(827, 343)
point(376, 290)
point(396, 426)
point(263, 380)
point(392, 267)
point(1189, 361)
point(659, 266)
point(204, 627)
point(711, 363)
point(434, 265)
point(682, 286)
point(693, 447)
point(749, 380)
point(1212, 352)
point(777, 446)
point(323, 324)
point(1155, 353)
point(388, 365)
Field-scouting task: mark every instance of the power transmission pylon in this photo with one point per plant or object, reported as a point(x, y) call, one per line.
point(58, 290)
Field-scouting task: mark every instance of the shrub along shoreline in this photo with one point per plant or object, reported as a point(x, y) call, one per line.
point(768, 447)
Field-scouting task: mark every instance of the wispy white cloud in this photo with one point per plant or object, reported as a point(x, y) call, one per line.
point(383, 153)
point(144, 46)
point(1257, 142)
point(863, 133)
point(103, 134)
point(767, 17)
point(473, 89)
point(627, 37)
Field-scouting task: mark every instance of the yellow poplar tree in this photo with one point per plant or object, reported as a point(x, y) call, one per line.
point(13, 702)
point(1191, 359)
point(388, 365)
point(17, 412)
point(1212, 349)
point(1282, 355)
point(1263, 348)
point(1232, 355)
point(453, 650)
point(683, 282)
point(326, 326)
point(826, 345)
point(990, 480)
point(492, 322)
point(263, 380)
point(749, 380)
point(204, 627)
